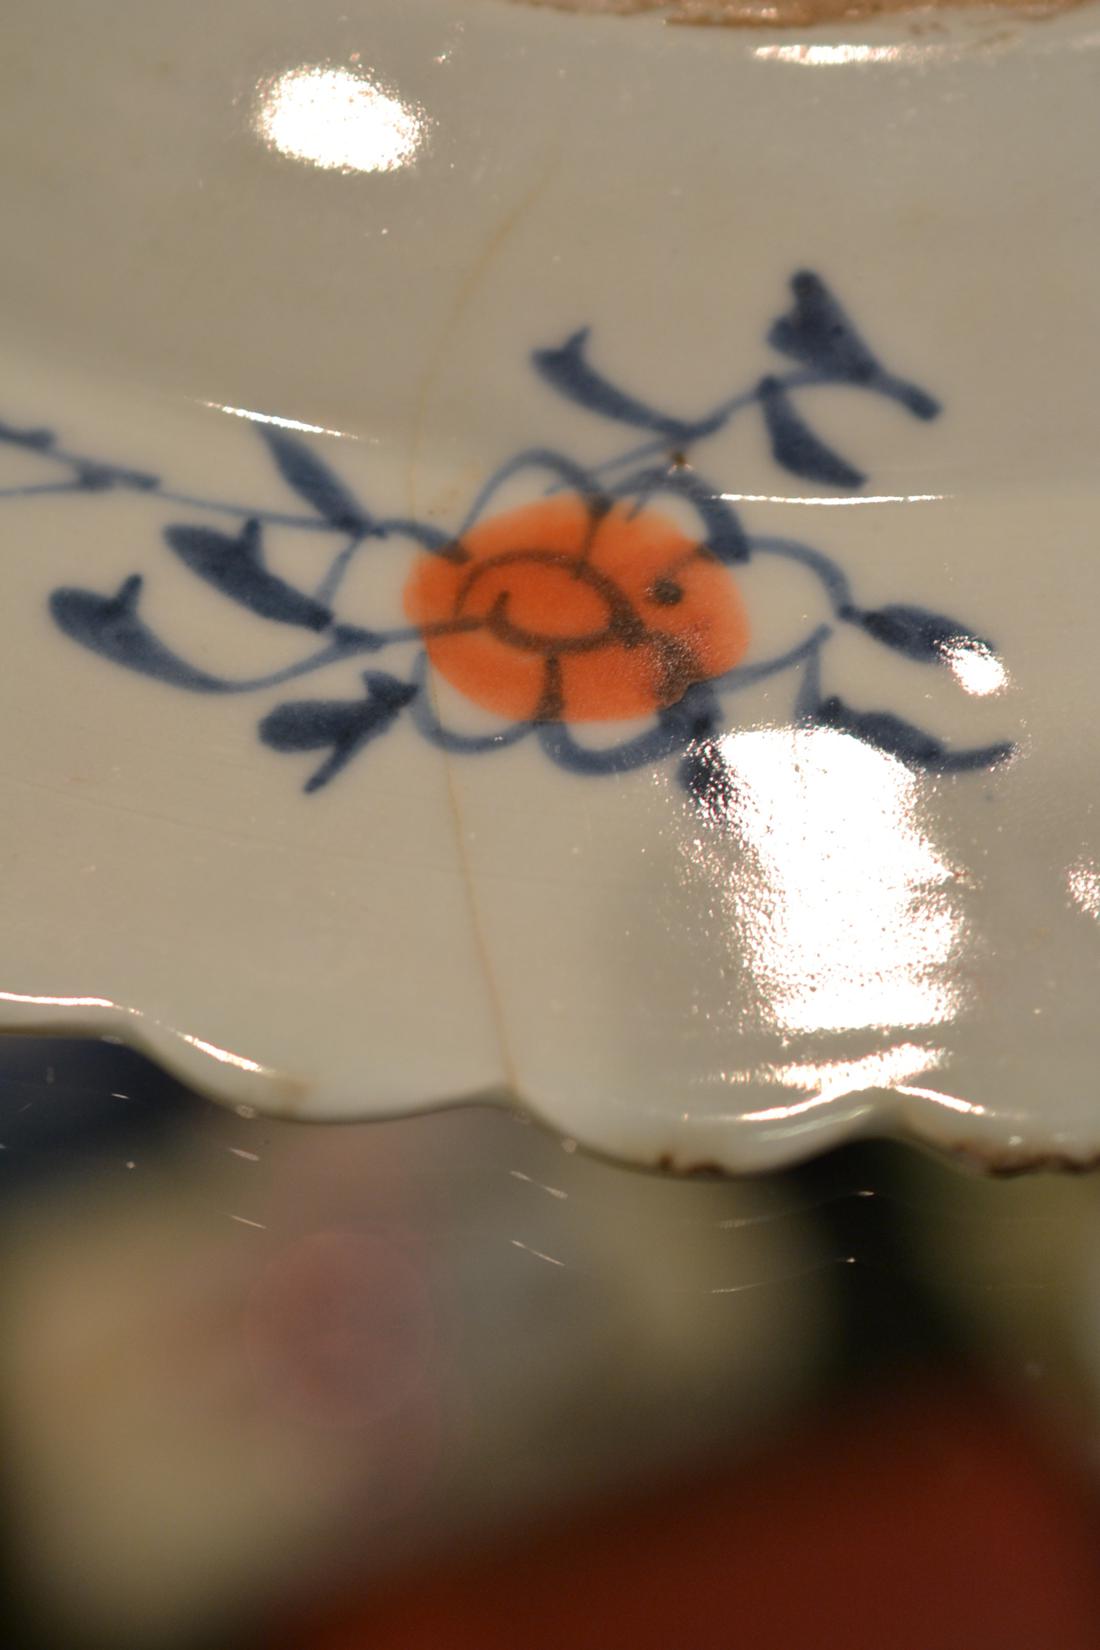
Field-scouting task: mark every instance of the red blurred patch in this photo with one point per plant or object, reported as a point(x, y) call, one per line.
point(931, 1521)
point(341, 1331)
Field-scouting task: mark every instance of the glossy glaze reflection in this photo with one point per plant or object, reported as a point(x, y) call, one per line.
point(591, 606)
point(737, 792)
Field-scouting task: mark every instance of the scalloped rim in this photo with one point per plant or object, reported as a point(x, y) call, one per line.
point(252, 1088)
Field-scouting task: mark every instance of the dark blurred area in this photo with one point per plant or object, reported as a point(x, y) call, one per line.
point(451, 1382)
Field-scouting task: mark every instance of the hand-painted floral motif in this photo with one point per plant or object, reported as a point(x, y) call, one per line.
point(607, 594)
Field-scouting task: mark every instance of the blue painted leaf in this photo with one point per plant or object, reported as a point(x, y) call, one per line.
point(355, 637)
point(566, 370)
point(38, 440)
point(235, 566)
point(796, 447)
point(100, 478)
point(313, 481)
point(818, 332)
point(914, 631)
point(910, 744)
point(343, 725)
point(706, 776)
point(112, 627)
point(911, 396)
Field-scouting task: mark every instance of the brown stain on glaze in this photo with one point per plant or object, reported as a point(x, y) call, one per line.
point(759, 14)
point(990, 1162)
point(978, 1160)
point(704, 1170)
point(1012, 1165)
point(288, 1098)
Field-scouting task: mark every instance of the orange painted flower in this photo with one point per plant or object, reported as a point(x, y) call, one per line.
point(560, 612)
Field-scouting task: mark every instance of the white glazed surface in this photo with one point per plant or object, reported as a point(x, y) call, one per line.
point(853, 944)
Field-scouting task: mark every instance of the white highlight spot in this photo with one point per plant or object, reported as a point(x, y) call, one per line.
point(1083, 881)
point(339, 120)
point(975, 666)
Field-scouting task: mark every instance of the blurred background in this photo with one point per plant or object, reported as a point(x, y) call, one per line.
point(452, 1382)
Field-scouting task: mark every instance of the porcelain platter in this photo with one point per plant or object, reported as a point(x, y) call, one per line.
point(553, 558)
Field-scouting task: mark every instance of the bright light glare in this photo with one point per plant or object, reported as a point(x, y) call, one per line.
point(818, 56)
point(836, 1079)
point(975, 666)
point(835, 503)
point(339, 120)
point(1083, 880)
point(255, 417)
point(838, 901)
point(218, 1053)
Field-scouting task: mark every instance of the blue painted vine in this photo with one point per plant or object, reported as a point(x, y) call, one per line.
point(665, 635)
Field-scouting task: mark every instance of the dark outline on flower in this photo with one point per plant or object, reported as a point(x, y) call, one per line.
point(815, 333)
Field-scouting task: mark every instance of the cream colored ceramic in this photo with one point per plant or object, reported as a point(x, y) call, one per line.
point(555, 558)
